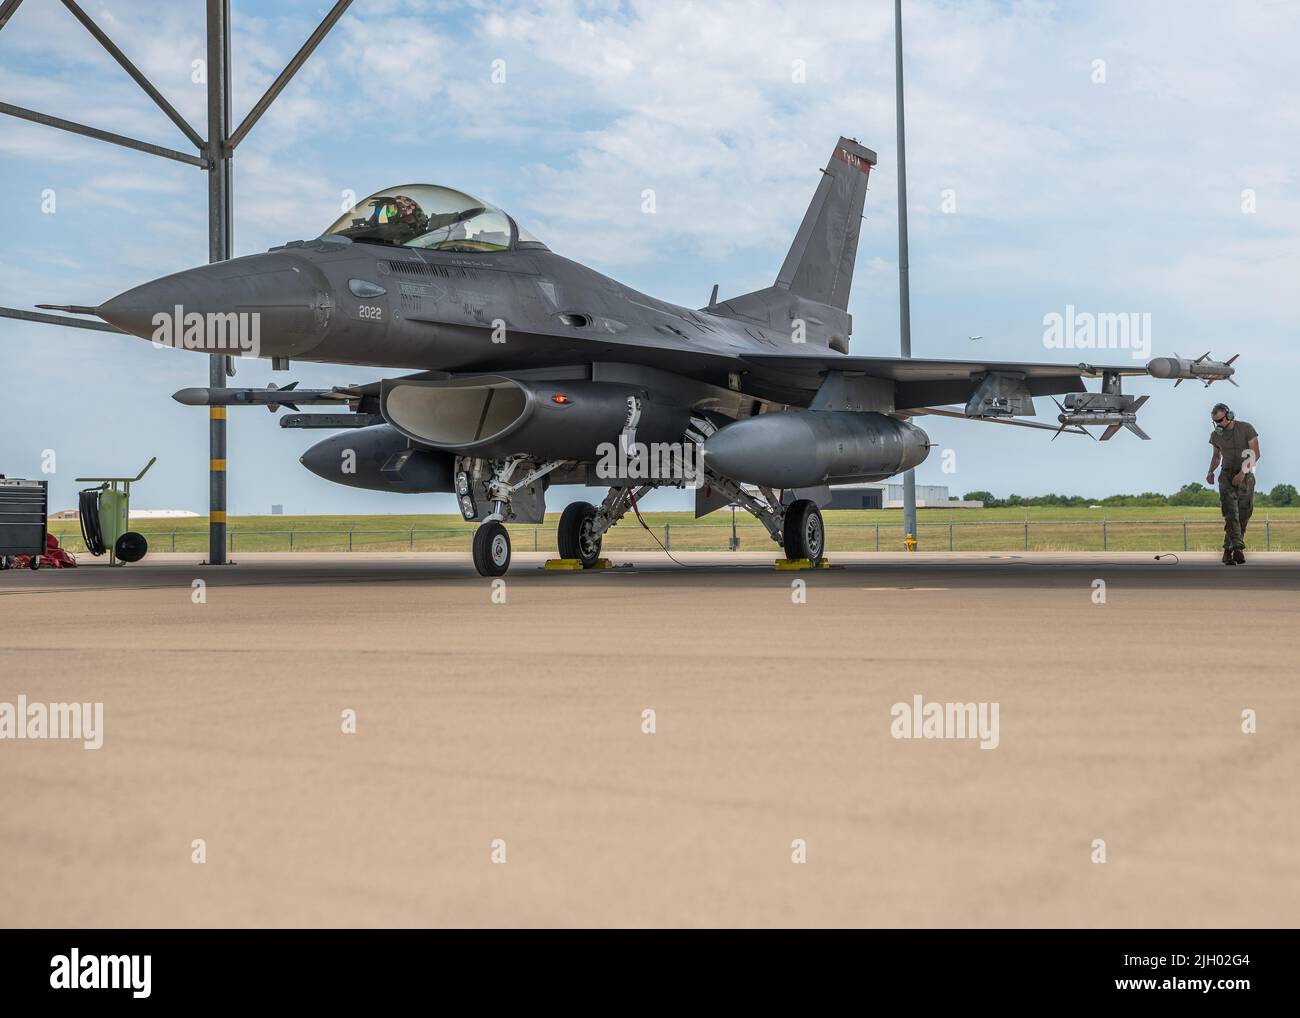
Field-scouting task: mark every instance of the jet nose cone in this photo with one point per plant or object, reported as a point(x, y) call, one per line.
point(270, 305)
point(133, 310)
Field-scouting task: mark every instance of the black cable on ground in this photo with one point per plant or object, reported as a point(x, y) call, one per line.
point(91, 531)
point(632, 498)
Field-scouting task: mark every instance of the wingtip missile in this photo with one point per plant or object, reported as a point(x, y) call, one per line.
point(1185, 368)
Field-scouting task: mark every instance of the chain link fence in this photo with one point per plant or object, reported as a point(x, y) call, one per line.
point(748, 535)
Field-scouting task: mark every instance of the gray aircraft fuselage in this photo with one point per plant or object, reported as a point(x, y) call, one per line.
point(451, 311)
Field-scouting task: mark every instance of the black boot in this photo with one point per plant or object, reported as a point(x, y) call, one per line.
point(1228, 559)
point(1239, 556)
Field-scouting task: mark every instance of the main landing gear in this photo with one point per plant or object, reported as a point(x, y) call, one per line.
point(578, 535)
point(803, 534)
point(798, 528)
point(583, 525)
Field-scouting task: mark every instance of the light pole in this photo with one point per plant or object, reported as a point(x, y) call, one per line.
point(904, 295)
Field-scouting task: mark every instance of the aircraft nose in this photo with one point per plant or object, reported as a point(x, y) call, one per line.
point(269, 305)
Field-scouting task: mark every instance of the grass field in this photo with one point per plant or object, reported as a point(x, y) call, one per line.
point(1017, 529)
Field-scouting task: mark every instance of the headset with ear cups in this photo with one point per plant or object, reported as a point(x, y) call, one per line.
point(1229, 415)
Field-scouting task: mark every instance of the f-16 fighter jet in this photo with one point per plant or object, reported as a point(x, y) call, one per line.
point(509, 369)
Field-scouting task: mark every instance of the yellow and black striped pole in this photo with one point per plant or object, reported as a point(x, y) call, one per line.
point(220, 234)
point(217, 481)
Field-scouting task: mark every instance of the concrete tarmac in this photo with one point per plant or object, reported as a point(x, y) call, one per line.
point(483, 726)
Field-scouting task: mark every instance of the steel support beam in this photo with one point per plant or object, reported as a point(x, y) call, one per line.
point(220, 235)
point(94, 132)
point(216, 160)
point(7, 9)
point(290, 70)
point(135, 73)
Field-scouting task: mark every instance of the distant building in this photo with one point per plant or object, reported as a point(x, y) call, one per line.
point(277, 510)
point(889, 495)
point(136, 514)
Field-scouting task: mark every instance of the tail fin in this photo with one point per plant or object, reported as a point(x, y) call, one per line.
point(819, 266)
point(812, 287)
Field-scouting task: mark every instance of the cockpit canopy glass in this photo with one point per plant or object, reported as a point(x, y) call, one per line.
point(434, 218)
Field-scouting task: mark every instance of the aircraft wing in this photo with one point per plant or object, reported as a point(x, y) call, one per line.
point(923, 382)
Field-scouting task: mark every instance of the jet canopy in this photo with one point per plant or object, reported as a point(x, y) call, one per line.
point(434, 218)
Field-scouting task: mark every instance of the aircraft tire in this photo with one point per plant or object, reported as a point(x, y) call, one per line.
point(573, 534)
point(491, 549)
point(804, 533)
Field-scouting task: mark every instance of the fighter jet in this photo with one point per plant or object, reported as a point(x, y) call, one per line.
point(510, 369)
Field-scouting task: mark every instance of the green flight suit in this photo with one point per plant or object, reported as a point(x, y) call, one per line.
point(1237, 503)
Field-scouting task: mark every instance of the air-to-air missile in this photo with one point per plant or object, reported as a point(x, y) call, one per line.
point(1109, 410)
point(1183, 369)
point(270, 397)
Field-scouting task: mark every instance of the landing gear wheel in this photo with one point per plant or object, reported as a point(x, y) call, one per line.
point(577, 536)
point(131, 547)
point(804, 534)
point(491, 549)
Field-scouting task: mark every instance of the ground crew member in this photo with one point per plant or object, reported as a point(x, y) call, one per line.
point(1236, 446)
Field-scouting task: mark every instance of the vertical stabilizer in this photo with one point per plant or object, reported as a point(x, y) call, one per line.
point(819, 265)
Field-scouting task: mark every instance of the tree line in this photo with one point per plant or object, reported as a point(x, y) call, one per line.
point(1188, 494)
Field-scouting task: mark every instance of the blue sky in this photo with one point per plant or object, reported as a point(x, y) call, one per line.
point(1122, 195)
